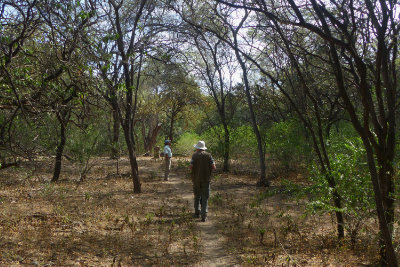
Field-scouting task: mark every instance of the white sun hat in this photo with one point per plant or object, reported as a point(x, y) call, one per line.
point(200, 145)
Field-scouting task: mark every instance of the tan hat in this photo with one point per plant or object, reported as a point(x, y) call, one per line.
point(200, 145)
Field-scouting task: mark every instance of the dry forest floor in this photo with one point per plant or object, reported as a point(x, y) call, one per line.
point(100, 222)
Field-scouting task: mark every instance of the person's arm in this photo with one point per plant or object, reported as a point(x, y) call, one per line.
point(213, 167)
point(191, 164)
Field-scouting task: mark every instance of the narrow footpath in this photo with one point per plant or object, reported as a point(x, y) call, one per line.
point(214, 253)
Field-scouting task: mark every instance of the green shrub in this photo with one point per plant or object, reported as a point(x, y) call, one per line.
point(83, 143)
point(243, 142)
point(214, 138)
point(29, 137)
point(353, 183)
point(184, 144)
point(285, 142)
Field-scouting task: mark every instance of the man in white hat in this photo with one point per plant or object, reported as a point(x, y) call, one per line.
point(201, 166)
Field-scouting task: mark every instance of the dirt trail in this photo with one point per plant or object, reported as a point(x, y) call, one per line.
point(213, 243)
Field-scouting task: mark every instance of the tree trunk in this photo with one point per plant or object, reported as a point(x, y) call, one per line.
point(261, 156)
point(337, 200)
point(128, 72)
point(382, 183)
point(226, 148)
point(137, 187)
point(60, 150)
point(263, 178)
point(130, 143)
point(153, 138)
point(145, 137)
point(127, 125)
point(115, 138)
point(385, 176)
point(220, 102)
point(388, 254)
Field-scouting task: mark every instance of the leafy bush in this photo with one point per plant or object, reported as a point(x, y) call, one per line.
point(214, 138)
point(27, 138)
point(285, 142)
point(185, 143)
point(243, 141)
point(350, 171)
point(82, 145)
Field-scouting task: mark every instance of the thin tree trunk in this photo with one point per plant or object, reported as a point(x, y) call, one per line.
point(263, 178)
point(127, 125)
point(115, 139)
point(337, 200)
point(145, 137)
point(261, 156)
point(389, 255)
point(137, 188)
point(60, 150)
point(129, 139)
point(226, 148)
point(128, 71)
point(385, 176)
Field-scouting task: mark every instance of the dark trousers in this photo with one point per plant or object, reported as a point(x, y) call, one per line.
point(201, 195)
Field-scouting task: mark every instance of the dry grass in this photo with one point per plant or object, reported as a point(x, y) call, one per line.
point(99, 222)
point(93, 223)
point(274, 231)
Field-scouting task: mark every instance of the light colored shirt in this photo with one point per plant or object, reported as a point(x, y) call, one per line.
point(168, 151)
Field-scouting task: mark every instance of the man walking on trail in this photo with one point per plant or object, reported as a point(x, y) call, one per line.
point(167, 156)
point(201, 166)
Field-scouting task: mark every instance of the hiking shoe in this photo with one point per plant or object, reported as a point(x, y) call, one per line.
point(203, 219)
point(196, 215)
